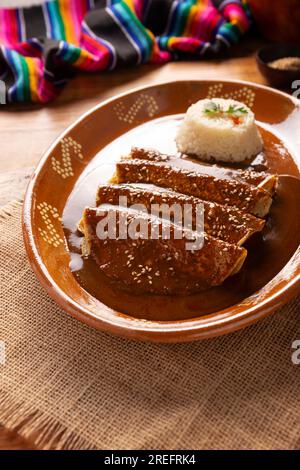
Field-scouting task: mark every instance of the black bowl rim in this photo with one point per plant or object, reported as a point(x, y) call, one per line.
point(275, 46)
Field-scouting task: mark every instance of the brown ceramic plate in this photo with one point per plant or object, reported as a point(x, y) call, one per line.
point(67, 177)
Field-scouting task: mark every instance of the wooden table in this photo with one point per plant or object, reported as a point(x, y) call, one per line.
point(27, 131)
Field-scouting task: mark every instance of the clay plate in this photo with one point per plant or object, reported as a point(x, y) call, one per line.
point(273, 273)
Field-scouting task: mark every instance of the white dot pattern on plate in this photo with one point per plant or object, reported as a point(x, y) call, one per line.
point(129, 115)
point(50, 216)
point(244, 94)
point(64, 167)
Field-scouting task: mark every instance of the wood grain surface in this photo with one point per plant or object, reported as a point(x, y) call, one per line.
point(28, 130)
point(13, 184)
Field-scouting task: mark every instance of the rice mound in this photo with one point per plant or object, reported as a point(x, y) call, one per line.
point(205, 136)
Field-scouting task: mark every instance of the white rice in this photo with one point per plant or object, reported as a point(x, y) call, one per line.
point(208, 135)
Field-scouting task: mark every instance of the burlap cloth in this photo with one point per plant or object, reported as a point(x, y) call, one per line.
point(65, 385)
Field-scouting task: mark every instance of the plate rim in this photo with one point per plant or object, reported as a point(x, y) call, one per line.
point(173, 331)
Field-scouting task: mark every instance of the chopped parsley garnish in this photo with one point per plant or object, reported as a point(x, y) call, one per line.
point(234, 109)
point(214, 110)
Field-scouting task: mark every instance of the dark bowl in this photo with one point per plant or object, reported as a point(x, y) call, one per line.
point(278, 78)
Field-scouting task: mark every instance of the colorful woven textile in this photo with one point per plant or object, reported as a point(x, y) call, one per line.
point(42, 45)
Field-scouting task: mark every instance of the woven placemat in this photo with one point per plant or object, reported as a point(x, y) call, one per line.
point(65, 385)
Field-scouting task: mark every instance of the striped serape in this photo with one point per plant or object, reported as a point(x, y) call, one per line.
point(42, 45)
